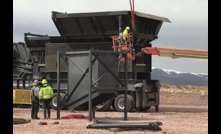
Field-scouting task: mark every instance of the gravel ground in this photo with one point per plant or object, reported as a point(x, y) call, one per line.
point(180, 113)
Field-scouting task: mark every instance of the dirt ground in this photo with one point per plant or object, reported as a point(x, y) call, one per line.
point(183, 110)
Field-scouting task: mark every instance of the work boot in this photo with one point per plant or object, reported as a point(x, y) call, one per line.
point(37, 118)
point(45, 117)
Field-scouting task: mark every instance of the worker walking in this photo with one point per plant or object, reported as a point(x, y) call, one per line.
point(46, 94)
point(34, 100)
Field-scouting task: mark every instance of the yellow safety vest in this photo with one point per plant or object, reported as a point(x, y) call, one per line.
point(46, 92)
point(125, 33)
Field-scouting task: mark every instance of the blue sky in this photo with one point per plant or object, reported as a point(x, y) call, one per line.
point(189, 27)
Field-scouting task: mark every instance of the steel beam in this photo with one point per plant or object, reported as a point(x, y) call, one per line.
point(149, 125)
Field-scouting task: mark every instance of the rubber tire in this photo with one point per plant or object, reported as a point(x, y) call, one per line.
point(121, 98)
point(112, 104)
point(104, 106)
point(53, 103)
point(146, 108)
point(132, 103)
point(143, 109)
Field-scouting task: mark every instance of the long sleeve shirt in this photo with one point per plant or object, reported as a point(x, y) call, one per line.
point(46, 92)
point(35, 91)
point(125, 33)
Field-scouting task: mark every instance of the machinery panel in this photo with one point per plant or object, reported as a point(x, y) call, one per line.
point(52, 48)
point(21, 96)
point(104, 68)
point(101, 24)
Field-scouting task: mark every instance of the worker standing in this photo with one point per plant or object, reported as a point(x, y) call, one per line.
point(34, 100)
point(46, 94)
point(125, 33)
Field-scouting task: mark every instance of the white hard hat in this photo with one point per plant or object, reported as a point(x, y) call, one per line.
point(35, 82)
point(128, 28)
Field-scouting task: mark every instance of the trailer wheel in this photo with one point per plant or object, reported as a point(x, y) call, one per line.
point(146, 108)
point(132, 103)
point(103, 106)
point(143, 109)
point(113, 106)
point(53, 103)
point(119, 103)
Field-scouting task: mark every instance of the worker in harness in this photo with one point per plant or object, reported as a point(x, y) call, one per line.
point(122, 38)
point(46, 94)
point(125, 34)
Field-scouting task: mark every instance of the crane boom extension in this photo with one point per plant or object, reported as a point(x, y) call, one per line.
point(176, 53)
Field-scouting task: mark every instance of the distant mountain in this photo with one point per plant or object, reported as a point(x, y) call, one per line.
point(179, 78)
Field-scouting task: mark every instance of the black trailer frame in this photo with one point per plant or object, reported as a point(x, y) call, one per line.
point(86, 30)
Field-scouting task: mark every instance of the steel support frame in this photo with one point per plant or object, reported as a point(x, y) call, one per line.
point(59, 55)
point(94, 53)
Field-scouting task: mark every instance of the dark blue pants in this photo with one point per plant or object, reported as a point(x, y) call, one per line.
point(46, 107)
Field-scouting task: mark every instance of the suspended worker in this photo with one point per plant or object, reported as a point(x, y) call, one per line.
point(125, 33)
point(46, 94)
